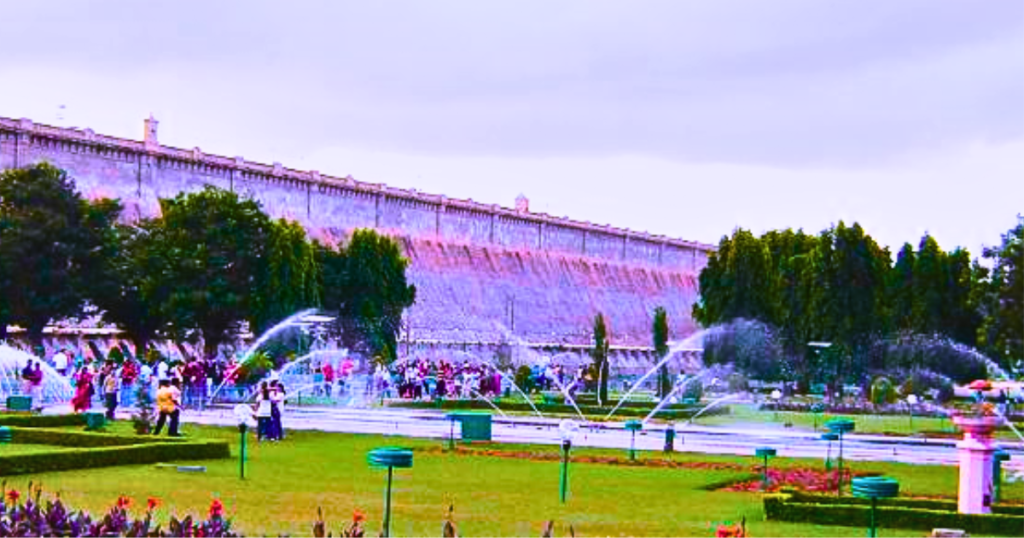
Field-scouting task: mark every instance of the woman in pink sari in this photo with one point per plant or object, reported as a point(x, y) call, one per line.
point(83, 390)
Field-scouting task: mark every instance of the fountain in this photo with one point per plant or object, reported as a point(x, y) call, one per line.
point(270, 333)
point(977, 451)
point(56, 388)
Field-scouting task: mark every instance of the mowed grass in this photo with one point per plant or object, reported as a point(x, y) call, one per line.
point(878, 424)
point(494, 496)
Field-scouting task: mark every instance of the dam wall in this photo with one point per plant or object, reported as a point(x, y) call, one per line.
point(484, 272)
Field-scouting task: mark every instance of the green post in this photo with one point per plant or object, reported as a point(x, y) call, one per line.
point(564, 478)
point(840, 426)
point(828, 454)
point(241, 460)
point(874, 488)
point(765, 452)
point(633, 426)
point(387, 505)
point(874, 529)
point(390, 458)
point(997, 473)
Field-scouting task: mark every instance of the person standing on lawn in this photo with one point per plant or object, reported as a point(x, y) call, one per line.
point(111, 387)
point(263, 414)
point(276, 410)
point(167, 397)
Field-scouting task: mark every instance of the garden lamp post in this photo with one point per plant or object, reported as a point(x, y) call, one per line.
point(816, 410)
point(776, 396)
point(874, 488)
point(830, 436)
point(452, 417)
point(389, 457)
point(840, 426)
point(633, 426)
point(243, 416)
point(567, 429)
point(765, 452)
point(911, 402)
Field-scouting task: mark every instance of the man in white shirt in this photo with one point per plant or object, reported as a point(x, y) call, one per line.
point(161, 370)
point(60, 362)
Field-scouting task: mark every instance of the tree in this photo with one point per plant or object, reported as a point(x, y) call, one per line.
point(1002, 330)
point(600, 356)
point(740, 281)
point(289, 279)
point(660, 333)
point(215, 244)
point(901, 290)
point(930, 286)
point(372, 292)
point(130, 289)
point(50, 244)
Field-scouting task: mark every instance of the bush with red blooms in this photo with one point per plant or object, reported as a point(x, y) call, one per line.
point(52, 518)
point(808, 480)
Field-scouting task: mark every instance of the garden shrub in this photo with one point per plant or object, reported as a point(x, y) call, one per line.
point(109, 456)
point(882, 391)
point(82, 439)
point(891, 513)
point(524, 379)
point(42, 421)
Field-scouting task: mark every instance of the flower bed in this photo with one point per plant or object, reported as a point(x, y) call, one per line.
point(606, 460)
point(800, 479)
point(32, 517)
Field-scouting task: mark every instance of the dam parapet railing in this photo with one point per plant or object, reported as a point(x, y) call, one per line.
point(408, 211)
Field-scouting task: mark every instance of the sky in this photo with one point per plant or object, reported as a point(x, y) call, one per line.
point(682, 118)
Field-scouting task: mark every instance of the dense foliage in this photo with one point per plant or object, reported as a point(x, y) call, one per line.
point(51, 245)
point(209, 264)
point(659, 330)
point(923, 311)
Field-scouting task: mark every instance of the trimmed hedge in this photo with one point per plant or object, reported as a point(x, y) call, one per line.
point(42, 421)
point(665, 414)
point(83, 439)
point(109, 456)
point(891, 513)
point(927, 504)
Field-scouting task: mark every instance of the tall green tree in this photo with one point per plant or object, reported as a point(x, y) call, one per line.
point(130, 290)
point(1002, 331)
point(600, 356)
point(740, 281)
point(961, 315)
point(215, 244)
point(290, 278)
point(901, 290)
point(373, 292)
point(659, 331)
point(50, 246)
point(930, 286)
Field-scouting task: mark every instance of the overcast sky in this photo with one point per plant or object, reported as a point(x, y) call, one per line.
point(685, 118)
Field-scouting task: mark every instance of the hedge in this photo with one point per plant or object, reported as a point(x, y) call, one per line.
point(89, 458)
point(666, 414)
point(927, 504)
point(42, 421)
point(83, 439)
point(891, 513)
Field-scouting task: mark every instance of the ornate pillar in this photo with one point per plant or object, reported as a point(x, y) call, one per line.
point(976, 455)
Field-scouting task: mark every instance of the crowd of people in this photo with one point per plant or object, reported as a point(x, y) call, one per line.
point(425, 379)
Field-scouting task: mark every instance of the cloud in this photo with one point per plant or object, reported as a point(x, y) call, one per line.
point(783, 83)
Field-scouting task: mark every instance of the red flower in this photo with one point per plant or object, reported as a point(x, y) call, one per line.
point(216, 509)
point(13, 495)
point(151, 503)
point(124, 502)
point(357, 516)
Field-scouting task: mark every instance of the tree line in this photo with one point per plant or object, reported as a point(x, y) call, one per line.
point(841, 289)
point(208, 265)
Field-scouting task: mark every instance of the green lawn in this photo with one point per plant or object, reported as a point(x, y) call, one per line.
point(881, 424)
point(493, 496)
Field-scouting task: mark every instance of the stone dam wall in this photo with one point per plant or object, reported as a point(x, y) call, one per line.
point(485, 273)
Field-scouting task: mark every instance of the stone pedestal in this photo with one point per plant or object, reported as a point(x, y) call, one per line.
point(976, 454)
